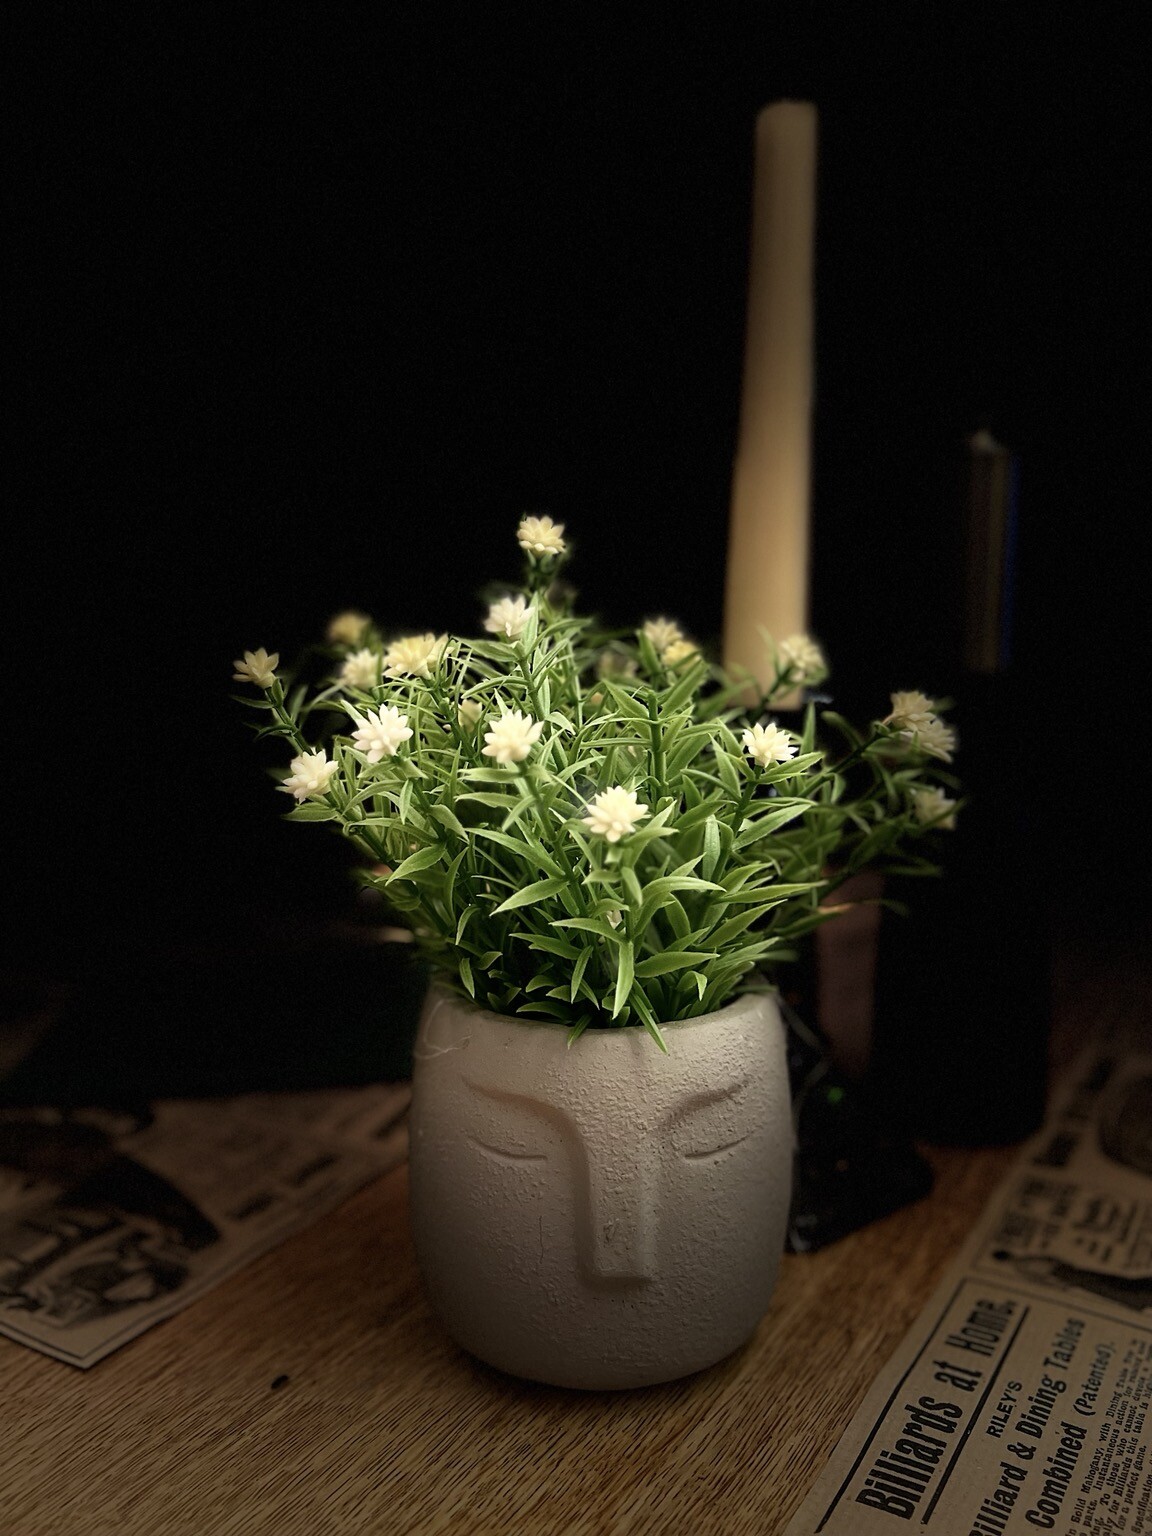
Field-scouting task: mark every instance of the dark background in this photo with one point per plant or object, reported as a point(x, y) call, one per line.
point(311, 303)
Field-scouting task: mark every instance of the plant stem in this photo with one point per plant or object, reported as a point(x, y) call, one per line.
point(522, 659)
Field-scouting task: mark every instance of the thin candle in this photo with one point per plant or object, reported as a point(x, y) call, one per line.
point(768, 539)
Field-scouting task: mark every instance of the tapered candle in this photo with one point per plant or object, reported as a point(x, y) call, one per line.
point(766, 583)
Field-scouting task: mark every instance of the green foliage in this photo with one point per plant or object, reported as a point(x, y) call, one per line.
point(500, 868)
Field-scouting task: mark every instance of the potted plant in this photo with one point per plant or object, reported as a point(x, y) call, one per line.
point(607, 855)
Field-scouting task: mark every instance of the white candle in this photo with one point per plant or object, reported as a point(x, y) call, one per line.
point(768, 541)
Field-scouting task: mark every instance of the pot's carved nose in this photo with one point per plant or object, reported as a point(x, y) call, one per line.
point(616, 1229)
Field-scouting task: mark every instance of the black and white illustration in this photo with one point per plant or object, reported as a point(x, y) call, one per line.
point(112, 1218)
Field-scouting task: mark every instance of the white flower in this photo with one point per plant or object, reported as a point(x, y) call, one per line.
point(414, 655)
point(512, 737)
point(613, 813)
point(613, 664)
point(469, 713)
point(768, 744)
point(257, 667)
point(380, 732)
point(802, 659)
point(936, 738)
point(310, 775)
point(910, 711)
point(541, 536)
point(507, 616)
point(934, 805)
point(347, 627)
point(361, 669)
point(662, 633)
point(680, 650)
point(615, 917)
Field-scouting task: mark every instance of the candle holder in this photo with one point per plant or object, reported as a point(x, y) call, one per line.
point(852, 1164)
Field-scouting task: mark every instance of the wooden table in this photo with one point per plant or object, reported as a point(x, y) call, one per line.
point(315, 1393)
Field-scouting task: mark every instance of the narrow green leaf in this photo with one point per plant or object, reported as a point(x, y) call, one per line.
point(632, 886)
point(686, 685)
point(701, 982)
point(677, 920)
point(624, 975)
point(548, 944)
point(732, 927)
point(466, 917)
point(415, 863)
point(539, 890)
point(711, 848)
point(729, 773)
point(672, 960)
point(578, 970)
point(489, 776)
point(545, 1006)
point(754, 828)
point(654, 1030)
point(404, 804)
point(447, 818)
point(598, 925)
point(576, 1031)
point(534, 853)
point(312, 810)
point(625, 703)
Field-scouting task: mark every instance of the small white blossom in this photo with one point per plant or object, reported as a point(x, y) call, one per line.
point(934, 805)
point(512, 737)
point(347, 627)
point(613, 813)
point(680, 650)
point(469, 713)
point(802, 659)
point(910, 711)
point(768, 744)
point(507, 616)
point(311, 774)
point(380, 732)
point(662, 633)
point(615, 917)
point(541, 536)
point(414, 655)
point(257, 667)
point(361, 669)
point(936, 738)
point(614, 664)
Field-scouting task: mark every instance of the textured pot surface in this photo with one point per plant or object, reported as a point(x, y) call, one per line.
point(605, 1216)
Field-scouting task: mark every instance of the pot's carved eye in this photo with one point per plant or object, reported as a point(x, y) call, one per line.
point(506, 1154)
point(707, 1125)
point(707, 1152)
point(513, 1126)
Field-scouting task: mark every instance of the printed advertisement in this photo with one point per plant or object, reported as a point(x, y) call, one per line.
point(1018, 1402)
point(111, 1221)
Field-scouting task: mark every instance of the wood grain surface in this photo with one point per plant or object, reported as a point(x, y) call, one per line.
point(315, 1393)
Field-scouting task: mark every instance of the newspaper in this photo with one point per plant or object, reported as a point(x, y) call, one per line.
point(1018, 1401)
point(111, 1221)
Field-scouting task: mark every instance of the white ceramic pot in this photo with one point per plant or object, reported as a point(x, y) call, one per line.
point(603, 1216)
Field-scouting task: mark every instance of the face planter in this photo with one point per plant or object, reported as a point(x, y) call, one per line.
point(603, 1216)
